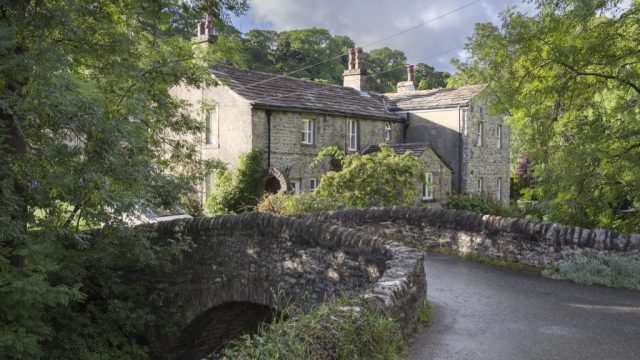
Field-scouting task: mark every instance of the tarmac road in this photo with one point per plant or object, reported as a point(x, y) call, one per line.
point(483, 312)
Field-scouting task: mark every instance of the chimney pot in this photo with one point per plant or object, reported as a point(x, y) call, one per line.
point(354, 76)
point(358, 58)
point(352, 59)
point(410, 73)
point(204, 31)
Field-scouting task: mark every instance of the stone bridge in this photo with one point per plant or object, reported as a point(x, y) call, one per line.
point(239, 270)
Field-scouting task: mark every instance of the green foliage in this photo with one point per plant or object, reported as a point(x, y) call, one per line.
point(389, 64)
point(84, 121)
point(288, 51)
point(328, 331)
point(291, 205)
point(379, 179)
point(473, 203)
point(588, 268)
point(428, 78)
point(570, 79)
point(240, 190)
point(425, 313)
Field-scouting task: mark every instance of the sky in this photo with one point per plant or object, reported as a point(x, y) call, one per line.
point(368, 21)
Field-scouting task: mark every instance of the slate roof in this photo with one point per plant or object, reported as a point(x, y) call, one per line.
point(432, 99)
point(288, 93)
point(400, 149)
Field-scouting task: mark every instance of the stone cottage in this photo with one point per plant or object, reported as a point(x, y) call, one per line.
point(292, 119)
point(458, 126)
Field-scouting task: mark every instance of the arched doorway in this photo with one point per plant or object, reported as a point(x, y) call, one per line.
point(275, 182)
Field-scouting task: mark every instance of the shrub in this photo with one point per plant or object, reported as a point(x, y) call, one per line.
point(473, 203)
point(239, 190)
point(588, 268)
point(380, 179)
point(329, 331)
point(272, 203)
point(288, 204)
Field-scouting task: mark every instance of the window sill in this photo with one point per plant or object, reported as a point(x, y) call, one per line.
point(211, 146)
point(424, 200)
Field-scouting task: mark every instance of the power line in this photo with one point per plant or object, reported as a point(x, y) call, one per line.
point(367, 45)
point(369, 76)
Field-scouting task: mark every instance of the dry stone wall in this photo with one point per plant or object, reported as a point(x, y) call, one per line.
point(530, 242)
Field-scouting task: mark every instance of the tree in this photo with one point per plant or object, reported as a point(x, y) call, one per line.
point(386, 68)
point(570, 79)
point(84, 112)
point(297, 49)
point(427, 77)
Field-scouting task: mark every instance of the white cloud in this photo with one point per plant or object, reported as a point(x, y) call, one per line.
point(366, 21)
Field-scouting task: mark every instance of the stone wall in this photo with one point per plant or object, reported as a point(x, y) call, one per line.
point(529, 242)
point(486, 161)
point(269, 260)
point(287, 149)
point(441, 176)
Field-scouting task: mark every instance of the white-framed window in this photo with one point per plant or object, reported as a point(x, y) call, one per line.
point(499, 133)
point(352, 135)
point(295, 186)
point(307, 131)
point(480, 133)
point(499, 189)
point(210, 126)
point(313, 184)
point(387, 131)
point(479, 185)
point(427, 186)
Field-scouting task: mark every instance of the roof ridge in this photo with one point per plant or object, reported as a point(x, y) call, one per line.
point(274, 76)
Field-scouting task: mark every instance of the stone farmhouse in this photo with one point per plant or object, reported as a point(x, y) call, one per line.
point(462, 147)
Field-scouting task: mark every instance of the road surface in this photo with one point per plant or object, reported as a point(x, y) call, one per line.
point(483, 312)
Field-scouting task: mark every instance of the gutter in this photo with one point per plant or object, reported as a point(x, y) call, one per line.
point(391, 116)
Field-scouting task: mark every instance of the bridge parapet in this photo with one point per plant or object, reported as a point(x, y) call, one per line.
point(530, 242)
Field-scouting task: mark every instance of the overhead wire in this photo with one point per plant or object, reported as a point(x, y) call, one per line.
point(369, 75)
point(366, 45)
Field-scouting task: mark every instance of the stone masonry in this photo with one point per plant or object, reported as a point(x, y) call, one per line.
point(288, 151)
point(529, 242)
point(485, 162)
point(248, 264)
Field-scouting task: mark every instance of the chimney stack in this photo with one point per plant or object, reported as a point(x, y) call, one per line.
point(204, 31)
point(354, 76)
point(407, 86)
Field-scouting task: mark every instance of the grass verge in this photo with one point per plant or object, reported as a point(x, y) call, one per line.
point(329, 331)
point(622, 271)
point(425, 313)
point(483, 259)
